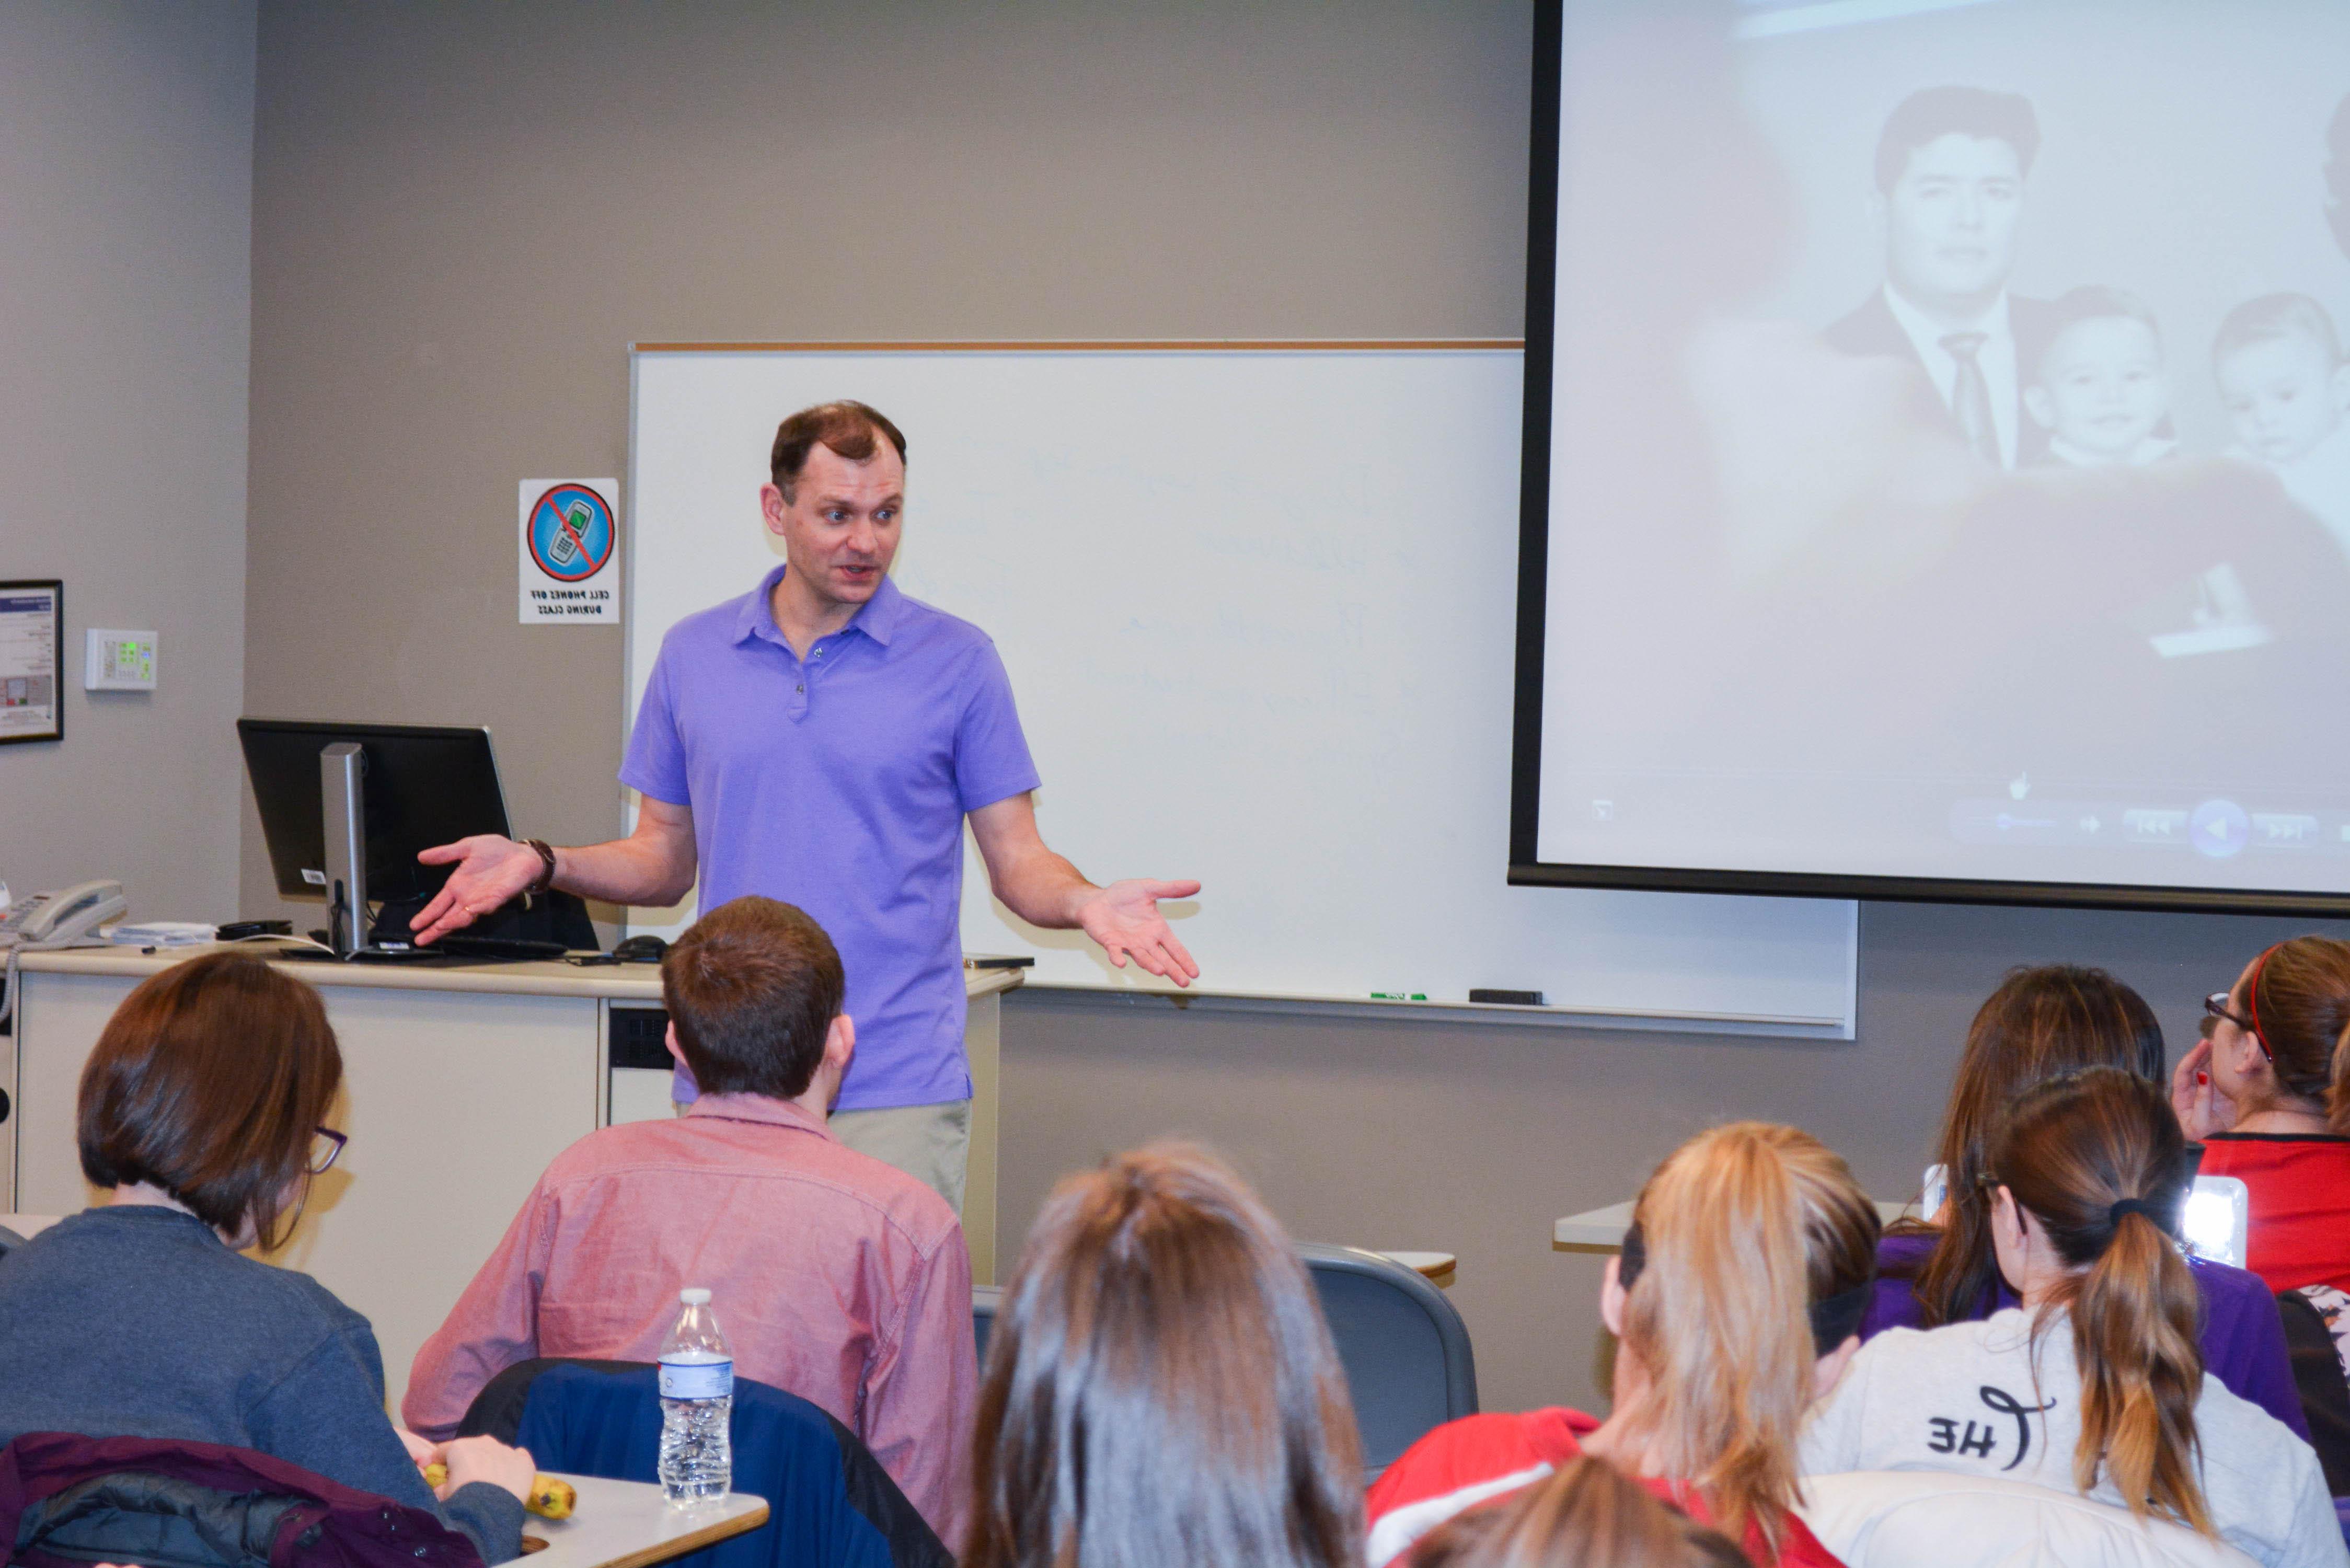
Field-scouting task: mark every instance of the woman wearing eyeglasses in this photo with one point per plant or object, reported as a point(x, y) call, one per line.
point(2268, 1094)
point(200, 1118)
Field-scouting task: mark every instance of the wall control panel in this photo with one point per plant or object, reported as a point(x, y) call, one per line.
point(119, 662)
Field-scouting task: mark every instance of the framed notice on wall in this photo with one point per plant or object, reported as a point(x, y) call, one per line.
point(32, 634)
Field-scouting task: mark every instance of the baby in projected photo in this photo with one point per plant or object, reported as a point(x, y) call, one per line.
point(2099, 389)
point(2281, 377)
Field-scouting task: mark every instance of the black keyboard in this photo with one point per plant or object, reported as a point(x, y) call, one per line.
point(505, 949)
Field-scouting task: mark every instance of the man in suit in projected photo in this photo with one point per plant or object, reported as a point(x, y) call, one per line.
point(821, 740)
point(1951, 164)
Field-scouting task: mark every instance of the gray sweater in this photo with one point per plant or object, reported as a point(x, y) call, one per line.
point(137, 1321)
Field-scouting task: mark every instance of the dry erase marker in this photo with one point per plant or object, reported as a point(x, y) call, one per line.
point(1398, 996)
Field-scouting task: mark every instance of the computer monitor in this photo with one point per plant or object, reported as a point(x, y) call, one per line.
point(424, 784)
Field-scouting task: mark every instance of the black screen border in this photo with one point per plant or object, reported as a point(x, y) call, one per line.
point(1526, 870)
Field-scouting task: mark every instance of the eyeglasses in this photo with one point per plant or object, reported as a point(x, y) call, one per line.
point(2218, 1005)
point(325, 1143)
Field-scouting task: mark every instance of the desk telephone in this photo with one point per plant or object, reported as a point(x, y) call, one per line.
point(64, 918)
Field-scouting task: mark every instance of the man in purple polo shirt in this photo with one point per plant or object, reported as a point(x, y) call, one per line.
point(821, 740)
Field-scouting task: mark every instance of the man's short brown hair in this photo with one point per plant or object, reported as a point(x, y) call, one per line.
point(752, 988)
point(853, 430)
point(208, 1082)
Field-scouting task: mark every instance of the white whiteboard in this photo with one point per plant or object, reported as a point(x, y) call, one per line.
point(1257, 606)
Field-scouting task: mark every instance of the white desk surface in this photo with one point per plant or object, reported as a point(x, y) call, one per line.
point(621, 981)
point(626, 1524)
point(1605, 1227)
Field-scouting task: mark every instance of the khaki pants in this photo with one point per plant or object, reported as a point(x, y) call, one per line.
point(929, 1143)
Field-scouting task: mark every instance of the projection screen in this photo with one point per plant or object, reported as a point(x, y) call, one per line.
point(1937, 462)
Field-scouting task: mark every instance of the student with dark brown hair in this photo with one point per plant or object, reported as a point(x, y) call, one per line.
point(2095, 1383)
point(2269, 1096)
point(2040, 1023)
point(1160, 1387)
point(839, 1279)
point(1587, 1515)
point(202, 1117)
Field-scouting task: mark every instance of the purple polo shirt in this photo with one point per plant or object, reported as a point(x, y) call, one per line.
point(839, 783)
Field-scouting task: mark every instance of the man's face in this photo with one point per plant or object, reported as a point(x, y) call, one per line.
point(840, 527)
point(2283, 395)
point(2101, 386)
point(1951, 222)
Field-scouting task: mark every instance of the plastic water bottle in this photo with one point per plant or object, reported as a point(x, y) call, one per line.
point(697, 1397)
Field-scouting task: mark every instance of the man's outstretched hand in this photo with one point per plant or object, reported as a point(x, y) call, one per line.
point(490, 870)
point(1124, 918)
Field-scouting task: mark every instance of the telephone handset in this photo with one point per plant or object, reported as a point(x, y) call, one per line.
point(63, 918)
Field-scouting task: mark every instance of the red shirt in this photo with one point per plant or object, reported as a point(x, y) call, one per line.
point(836, 1278)
point(1488, 1459)
point(2300, 1185)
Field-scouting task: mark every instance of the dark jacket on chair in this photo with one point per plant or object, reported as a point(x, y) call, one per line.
point(68, 1500)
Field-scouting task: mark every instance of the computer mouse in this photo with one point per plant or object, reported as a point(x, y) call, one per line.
point(641, 950)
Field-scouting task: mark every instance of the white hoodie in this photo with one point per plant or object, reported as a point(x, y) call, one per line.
point(1981, 1399)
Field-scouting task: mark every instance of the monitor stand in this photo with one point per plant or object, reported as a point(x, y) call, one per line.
point(342, 803)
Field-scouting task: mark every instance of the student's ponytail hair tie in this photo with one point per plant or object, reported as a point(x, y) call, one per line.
point(2153, 1211)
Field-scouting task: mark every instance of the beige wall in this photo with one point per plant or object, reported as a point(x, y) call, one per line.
point(463, 216)
point(126, 169)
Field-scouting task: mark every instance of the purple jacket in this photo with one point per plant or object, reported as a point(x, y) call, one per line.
point(2243, 1337)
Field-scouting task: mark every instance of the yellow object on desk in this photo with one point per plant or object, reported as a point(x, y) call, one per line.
point(629, 1524)
point(549, 1499)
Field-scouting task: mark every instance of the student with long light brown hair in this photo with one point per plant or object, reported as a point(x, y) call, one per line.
point(1160, 1387)
point(1735, 1304)
point(2095, 1383)
point(2040, 1023)
point(2269, 1096)
point(1587, 1515)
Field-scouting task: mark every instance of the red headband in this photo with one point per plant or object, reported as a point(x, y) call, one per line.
point(2252, 1001)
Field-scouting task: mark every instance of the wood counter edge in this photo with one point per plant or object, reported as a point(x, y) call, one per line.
point(617, 982)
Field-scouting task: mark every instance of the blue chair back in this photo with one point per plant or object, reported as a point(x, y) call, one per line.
point(984, 1300)
point(1409, 1369)
point(830, 1504)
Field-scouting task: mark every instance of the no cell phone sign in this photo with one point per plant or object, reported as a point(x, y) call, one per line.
point(570, 538)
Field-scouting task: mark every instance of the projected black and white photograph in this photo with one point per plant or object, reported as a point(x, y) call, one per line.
point(1949, 442)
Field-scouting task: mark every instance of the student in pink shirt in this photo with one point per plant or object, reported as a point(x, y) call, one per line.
point(839, 1278)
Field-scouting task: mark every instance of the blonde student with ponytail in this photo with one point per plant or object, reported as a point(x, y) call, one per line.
point(2095, 1383)
point(1735, 1304)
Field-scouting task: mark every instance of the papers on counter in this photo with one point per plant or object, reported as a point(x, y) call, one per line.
point(161, 934)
